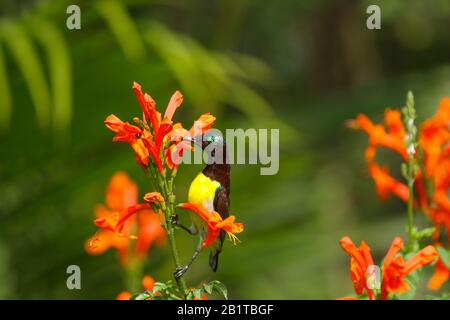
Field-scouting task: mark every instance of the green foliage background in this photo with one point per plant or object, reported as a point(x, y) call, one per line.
point(301, 66)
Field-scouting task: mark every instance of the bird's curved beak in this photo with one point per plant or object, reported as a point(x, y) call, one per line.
point(195, 140)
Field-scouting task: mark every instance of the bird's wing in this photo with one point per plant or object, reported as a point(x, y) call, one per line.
point(222, 202)
point(221, 206)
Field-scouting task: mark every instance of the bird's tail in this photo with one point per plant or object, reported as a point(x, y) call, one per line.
point(214, 260)
point(214, 254)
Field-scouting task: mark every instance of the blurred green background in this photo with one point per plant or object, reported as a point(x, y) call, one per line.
point(301, 66)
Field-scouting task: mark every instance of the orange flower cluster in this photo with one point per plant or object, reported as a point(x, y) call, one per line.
point(433, 155)
point(121, 205)
point(215, 223)
point(156, 138)
point(435, 141)
point(389, 135)
point(393, 271)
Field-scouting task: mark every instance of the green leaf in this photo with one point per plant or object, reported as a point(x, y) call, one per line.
point(208, 287)
point(141, 296)
point(123, 27)
point(159, 286)
point(190, 296)
point(424, 233)
point(444, 255)
point(26, 57)
point(5, 95)
point(220, 288)
point(60, 66)
point(198, 293)
point(180, 56)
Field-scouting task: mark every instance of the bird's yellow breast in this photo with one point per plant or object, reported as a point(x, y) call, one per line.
point(203, 190)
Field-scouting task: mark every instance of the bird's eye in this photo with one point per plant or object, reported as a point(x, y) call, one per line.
point(213, 138)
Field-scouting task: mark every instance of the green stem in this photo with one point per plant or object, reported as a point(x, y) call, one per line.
point(411, 179)
point(168, 211)
point(410, 171)
point(134, 275)
point(176, 257)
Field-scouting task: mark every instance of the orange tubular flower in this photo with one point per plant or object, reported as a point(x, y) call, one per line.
point(360, 260)
point(130, 134)
point(215, 223)
point(161, 128)
point(394, 269)
point(390, 136)
point(202, 124)
point(121, 206)
point(121, 193)
point(115, 222)
point(386, 184)
point(440, 276)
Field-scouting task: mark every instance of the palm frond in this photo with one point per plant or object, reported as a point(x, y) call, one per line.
point(60, 65)
point(122, 26)
point(5, 95)
point(26, 57)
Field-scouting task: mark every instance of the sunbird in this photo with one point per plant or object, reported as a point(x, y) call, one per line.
point(211, 189)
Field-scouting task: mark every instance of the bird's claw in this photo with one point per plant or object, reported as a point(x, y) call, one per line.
point(179, 272)
point(174, 219)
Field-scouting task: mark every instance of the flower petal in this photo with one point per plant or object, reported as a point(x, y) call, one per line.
point(125, 132)
point(175, 101)
point(202, 124)
point(198, 209)
point(423, 258)
point(109, 222)
point(121, 192)
point(396, 247)
point(440, 276)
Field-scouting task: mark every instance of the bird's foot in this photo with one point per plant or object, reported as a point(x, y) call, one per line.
point(174, 219)
point(179, 272)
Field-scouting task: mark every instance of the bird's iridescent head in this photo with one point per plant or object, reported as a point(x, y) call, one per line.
point(214, 145)
point(209, 138)
point(212, 138)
